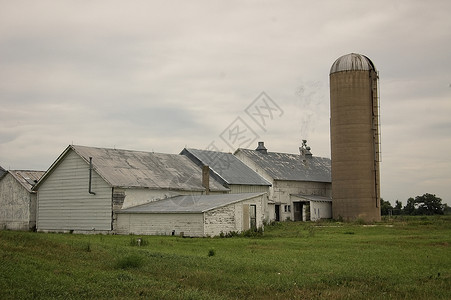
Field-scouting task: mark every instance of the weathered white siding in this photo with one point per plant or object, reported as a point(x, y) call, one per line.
point(64, 202)
point(282, 189)
point(221, 219)
point(230, 217)
point(17, 212)
point(241, 188)
point(320, 210)
point(160, 224)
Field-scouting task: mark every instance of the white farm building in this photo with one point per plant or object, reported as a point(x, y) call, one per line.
point(194, 215)
point(17, 200)
point(85, 187)
point(301, 184)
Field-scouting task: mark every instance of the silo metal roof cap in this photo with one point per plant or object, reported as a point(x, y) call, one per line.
point(352, 62)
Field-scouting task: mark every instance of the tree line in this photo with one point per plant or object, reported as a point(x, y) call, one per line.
point(427, 204)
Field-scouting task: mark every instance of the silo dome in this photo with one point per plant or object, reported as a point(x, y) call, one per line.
point(352, 62)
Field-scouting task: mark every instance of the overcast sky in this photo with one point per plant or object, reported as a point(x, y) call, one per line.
point(164, 75)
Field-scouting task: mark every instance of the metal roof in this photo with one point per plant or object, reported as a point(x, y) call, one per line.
point(285, 166)
point(352, 62)
point(137, 169)
point(27, 178)
point(189, 203)
point(313, 198)
point(2, 172)
point(226, 166)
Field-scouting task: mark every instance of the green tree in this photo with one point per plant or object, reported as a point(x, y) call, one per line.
point(385, 207)
point(446, 209)
point(409, 209)
point(398, 208)
point(429, 204)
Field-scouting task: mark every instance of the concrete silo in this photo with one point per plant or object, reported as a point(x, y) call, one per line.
point(355, 138)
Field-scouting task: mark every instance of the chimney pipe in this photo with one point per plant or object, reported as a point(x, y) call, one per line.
point(90, 176)
point(305, 151)
point(261, 148)
point(206, 179)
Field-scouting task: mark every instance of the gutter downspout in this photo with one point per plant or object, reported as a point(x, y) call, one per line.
point(90, 176)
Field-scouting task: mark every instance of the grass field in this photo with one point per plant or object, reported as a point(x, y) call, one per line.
point(402, 258)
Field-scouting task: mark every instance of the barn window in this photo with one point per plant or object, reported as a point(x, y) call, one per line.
point(287, 208)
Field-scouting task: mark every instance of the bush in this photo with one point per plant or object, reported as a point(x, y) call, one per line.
point(247, 233)
point(253, 232)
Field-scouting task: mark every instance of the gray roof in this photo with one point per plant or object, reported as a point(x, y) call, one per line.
point(2, 172)
point(313, 198)
point(285, 166)
point(226, 166)
point(189, 203)
point(352, 62)
point(27, 178)
point(137, 169)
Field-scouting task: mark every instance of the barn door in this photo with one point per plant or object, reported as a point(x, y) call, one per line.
point(253, 216)
point(246, 222)
point(277, 211)
point(297, 208)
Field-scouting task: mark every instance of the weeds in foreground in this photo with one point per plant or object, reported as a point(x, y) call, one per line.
point(131, 261)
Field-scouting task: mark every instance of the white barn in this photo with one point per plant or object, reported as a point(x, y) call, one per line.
point(301, 184)
point(85, 187)
point(194, 215)
point(17, 200)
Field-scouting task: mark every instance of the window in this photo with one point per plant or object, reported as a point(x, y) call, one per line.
point(287, 208)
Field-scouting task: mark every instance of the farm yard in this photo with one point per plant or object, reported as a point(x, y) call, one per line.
point(406, 257)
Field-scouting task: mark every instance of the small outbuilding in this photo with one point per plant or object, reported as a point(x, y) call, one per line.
point(311, 207)
point(194, 215)
point(17, 200)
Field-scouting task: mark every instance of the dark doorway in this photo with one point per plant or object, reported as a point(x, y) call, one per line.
point(297, 210)
point(253, 216)
point(277, 209)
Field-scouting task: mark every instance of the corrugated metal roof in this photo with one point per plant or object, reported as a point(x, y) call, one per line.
point(126, 168)
point(137, 169)
point(284, 166)
point(352, 62)
point(228, 168)
point(313, 198)
point(27, 178)
point(189, 203)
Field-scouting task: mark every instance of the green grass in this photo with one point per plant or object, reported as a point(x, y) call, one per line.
point(399, 258)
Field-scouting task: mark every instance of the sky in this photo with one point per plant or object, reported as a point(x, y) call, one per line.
point(163, 75)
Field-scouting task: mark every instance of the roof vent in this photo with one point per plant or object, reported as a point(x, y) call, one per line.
point(261, 148)
point(305, 151)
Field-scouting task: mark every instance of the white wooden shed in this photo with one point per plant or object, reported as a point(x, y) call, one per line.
point(194, 215)
point(17, 200)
